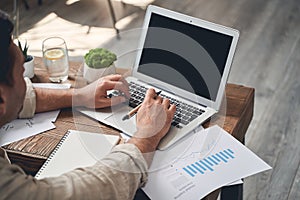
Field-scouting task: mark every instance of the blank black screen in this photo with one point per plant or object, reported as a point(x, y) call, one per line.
point(176, 53)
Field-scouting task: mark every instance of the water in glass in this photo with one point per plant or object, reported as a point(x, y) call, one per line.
point(56, 59)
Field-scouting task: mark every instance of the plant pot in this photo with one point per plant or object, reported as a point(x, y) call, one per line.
point(92, 74)
point(29, 68)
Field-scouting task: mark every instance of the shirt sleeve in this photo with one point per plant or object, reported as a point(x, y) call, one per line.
point(3, 155)
point(29, 103)
point(116, 176)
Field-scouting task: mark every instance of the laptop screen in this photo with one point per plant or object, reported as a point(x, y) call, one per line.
point(185, 55)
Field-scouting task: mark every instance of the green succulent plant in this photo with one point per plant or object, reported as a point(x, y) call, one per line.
point(24, 50)
point(99, 58)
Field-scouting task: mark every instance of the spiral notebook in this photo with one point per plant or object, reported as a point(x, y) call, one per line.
point(76, 149)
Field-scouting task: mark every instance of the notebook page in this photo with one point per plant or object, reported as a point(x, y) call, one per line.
point(77, 149)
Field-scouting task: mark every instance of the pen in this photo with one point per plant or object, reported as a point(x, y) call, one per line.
point(135, 110)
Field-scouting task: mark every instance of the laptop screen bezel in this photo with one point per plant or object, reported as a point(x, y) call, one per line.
point(196, 22)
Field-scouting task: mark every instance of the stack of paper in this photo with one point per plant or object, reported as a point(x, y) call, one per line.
point(206, 160)
point(23, 128)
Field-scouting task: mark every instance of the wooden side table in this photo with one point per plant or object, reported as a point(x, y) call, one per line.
point(31, 153)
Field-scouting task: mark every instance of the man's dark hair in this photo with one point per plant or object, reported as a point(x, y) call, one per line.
point(6, 28)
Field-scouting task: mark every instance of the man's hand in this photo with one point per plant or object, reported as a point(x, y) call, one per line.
point(94, 95)
point(153, 122)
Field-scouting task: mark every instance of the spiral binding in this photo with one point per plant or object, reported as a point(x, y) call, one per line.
point(52, 154)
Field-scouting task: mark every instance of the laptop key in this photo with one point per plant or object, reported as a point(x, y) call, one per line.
point(197, 112)
point(189, 114)
point(133, 105)
point(177, 120)
point(184, 122)
point(193, 117)
point(178, 126)
point(184, 113)
point(174, 123)
point(186, 118)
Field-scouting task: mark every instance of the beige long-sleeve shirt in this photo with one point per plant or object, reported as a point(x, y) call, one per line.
point(29, 103)
point(117, 176)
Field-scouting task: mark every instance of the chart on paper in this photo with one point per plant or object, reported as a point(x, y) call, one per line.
point(184, 175)
point(210, 160)
point(209, 163)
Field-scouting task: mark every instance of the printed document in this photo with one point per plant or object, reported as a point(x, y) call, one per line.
point(22, 128)
point(206, 160)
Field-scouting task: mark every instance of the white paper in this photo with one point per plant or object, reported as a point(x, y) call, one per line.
point(192, 169)
point(235, 182)
point(78, 149)
point(23, 128)
point(52, 85)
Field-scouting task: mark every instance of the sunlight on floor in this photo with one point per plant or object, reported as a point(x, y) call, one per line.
point(122, 23)
point(69, 2)
point(140, 3)
point(79, 38)
point(84, 32)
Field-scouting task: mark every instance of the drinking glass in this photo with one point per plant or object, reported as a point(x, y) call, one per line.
point(55, 56)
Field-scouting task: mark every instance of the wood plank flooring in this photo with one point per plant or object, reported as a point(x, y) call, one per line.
point(267, 58)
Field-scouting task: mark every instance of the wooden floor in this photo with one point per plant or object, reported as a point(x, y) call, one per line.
point(267, 58)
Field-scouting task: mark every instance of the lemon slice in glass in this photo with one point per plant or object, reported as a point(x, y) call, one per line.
point(54, 54)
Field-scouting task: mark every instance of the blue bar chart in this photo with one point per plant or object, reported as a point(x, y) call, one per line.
point(209, 163)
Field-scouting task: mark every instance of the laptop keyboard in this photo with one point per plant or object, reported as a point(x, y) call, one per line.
point(184, 113)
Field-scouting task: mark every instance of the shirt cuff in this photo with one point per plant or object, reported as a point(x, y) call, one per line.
point(135, 154)
point(29, 103)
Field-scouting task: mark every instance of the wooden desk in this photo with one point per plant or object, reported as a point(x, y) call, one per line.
point(31, 153)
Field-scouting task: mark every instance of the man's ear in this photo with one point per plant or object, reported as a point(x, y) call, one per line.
point(2, 103)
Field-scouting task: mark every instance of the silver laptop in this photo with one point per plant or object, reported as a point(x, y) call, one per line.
point(186, 58)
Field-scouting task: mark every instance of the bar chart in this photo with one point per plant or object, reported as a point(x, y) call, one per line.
point(209, 163)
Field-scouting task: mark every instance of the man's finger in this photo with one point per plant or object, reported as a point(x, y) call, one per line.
point(113, 77)
point(150, 94)
point(116, 85)
point(166, 103)
point(123, 88)
point(122, 79)
point(117, 77)
point(158, 99)
point(172, 108)
point(117, 100)
point(108, 102)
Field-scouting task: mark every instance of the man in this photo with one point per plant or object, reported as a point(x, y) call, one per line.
point(118, 175)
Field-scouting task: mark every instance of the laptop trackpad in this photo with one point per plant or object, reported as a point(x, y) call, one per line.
point(127, 126)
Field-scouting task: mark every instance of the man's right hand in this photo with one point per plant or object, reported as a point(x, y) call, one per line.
point(94, 95)
point(153, 122)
